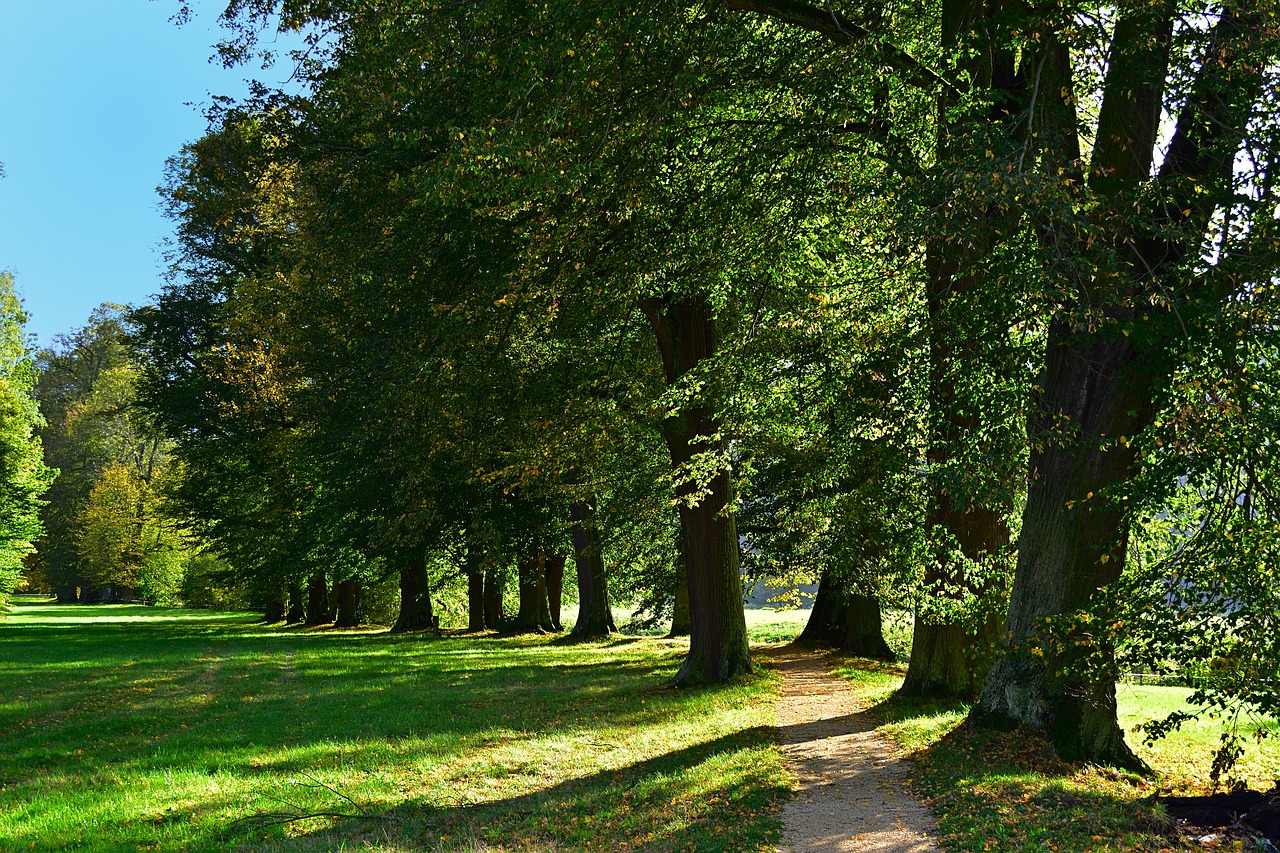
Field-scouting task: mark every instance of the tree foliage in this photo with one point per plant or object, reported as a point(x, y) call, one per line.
point(23, 475)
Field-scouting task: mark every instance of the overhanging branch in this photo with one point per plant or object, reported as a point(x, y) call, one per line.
point(830, 24)
point(839, 30)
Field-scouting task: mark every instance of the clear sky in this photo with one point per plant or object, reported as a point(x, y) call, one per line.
point(95, 95)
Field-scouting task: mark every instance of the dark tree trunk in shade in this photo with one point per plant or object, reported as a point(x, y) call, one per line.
point(348, 604)
point(473, 565)
point(274, 610)
point(595, 617)
point(297, 603)
point(494, 581)
point(475, 602)
point(534, 613)
point(823, 613)
point(680, 604)
point(555, 587)
point(66, 594)
point(718, 649)
point(847, 621)
point(318, 612)
point(416, 610)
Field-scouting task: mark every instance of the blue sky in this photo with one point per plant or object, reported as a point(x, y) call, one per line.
point(94, 96)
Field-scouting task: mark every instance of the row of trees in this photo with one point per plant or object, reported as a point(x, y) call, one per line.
point(968, 309)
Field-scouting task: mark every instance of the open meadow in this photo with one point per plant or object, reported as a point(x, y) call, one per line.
point(127, 728)
point(134, 728)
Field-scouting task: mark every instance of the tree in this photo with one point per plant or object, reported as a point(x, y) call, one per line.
point(1129, 252)
point(23, 475)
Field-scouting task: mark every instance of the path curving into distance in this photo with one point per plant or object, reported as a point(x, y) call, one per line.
point(852, 792)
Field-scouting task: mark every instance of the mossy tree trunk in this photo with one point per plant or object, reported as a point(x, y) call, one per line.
point(1100, 387)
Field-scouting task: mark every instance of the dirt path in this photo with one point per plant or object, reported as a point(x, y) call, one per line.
point(852, 793)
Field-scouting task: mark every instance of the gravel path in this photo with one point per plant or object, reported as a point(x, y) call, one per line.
point(852, 793)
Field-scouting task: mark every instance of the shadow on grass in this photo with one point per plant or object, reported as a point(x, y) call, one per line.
point(1008, 790)
point(658, 803)
point(202, 721)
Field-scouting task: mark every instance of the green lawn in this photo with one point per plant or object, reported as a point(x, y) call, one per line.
point(1006, 791)
point(133, 728)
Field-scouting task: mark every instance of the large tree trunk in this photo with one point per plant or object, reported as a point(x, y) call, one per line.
point(946, 659)
point(846, 620)
point(348, 604)
point(297, 603)
point(415, 597)
point(274, 609)
point(1072, 544)
point(680, 626)
point(718, 648)
point(595, 617)
point(66, 594)
point(555, 587)
point(494, 581)
point(1100, 386)
point(535, 612)
point(318, 600)
point(475, 601)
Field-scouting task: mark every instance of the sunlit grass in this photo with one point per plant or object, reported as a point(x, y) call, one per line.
point(998, 790)
point(137, 728)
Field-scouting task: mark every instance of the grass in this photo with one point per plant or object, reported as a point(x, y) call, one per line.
point(132, 728)
point(1007, 791)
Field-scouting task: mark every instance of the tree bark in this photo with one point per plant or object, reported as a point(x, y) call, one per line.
point(680, 620)
point(66, 594)
point(297, 603)
point(318, 600)
point(846, 620)
point(534, 613)
point(946, 659)
point(595, 617)
point(348, 604)
point(1072, 544)
point(555, 587)
point(680, 626)
point(274, 610)
point(718, 648)
point(475, 601)
point(1100, 387)
point(416, 610)
point(493, 586)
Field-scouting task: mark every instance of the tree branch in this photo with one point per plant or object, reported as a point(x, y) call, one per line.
point(837, 29)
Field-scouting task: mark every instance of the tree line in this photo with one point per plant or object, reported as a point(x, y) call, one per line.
point(967, 310)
